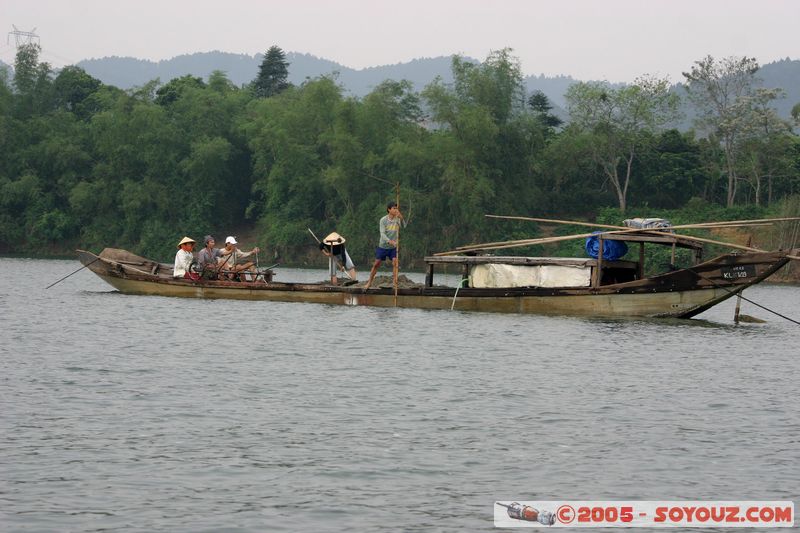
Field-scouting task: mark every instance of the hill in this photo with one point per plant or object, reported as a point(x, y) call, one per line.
point(128, 72)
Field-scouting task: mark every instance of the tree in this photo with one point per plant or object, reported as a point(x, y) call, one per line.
point(288, 137)
point(715, 88)
point(487, 145)
point(272, 74)
point(541, 106)
point(32, 82)
point(72, 87)
point(765, 144)
point(620, 122)
point(670, 172)
point(796, 112)
point(172, 91)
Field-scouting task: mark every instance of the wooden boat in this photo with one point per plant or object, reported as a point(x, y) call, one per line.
point(565, 286)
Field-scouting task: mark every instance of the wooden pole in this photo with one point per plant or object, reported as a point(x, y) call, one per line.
point(396, 267)
point(552, 221)
point(683, 226)
point(528, 242)
point(71, 273)
point(738, 301)
point(513, 244)
point(598, 270)
point(546, 240)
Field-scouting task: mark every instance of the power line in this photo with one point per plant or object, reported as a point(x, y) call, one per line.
point(21, 38)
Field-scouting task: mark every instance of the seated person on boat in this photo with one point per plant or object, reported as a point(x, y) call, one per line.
point(209, 259)
point(237, 261)
point(184, 259)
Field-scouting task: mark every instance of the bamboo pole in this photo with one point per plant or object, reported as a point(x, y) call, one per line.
point(553, 221)
point(624, 229)
point(513, 244)
point(521, 242)
point(75, 272)
point(396, 267)
point(683, 226)
point(702, 225)
point(547, 240)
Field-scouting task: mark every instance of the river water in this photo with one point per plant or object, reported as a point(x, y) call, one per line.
point(142, 413)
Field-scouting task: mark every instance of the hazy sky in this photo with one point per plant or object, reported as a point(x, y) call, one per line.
point(616, 40)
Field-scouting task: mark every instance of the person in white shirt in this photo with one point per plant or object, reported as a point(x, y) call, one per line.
point(237, 260)
point(183, 260)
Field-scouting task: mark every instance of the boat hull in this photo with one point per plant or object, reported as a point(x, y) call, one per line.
point(669, 295)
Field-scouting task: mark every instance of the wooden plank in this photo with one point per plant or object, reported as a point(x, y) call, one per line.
point(524, 261)
point(597, 274)
point(508, 260)
point(640, 273)
point(660, 239)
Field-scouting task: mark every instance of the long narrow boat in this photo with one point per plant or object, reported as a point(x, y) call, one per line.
point(509, 284)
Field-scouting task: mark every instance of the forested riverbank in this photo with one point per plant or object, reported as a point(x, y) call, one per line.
point(88, 165)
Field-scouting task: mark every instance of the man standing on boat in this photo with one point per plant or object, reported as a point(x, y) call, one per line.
point(387, 246)
point(183, 260)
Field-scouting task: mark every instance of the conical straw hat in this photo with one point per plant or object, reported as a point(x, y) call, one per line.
point(334, 238)
point(185, 240)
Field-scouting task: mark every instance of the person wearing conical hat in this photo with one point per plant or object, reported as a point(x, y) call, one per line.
point(183, 260)
point(338, 258)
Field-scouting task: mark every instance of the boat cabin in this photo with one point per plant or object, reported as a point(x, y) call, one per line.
point(490, 271)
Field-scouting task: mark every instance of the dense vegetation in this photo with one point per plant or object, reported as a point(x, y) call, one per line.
point(88, 165)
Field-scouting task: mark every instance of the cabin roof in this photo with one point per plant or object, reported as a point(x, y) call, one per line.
point(525, 261)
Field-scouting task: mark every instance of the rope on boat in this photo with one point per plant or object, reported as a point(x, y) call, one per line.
point(742, 297)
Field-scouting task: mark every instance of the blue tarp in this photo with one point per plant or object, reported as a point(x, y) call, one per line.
point(612, 250)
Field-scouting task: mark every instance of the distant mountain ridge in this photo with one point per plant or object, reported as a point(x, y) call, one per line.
point(128, 72)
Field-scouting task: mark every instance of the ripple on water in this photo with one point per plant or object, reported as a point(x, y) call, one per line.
point(149, 413)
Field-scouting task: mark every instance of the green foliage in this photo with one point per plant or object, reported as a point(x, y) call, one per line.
point(620, 124)
point(172, 91)
point(72, 89)
point(541, 106)
point(88, 165)
point(272, 75)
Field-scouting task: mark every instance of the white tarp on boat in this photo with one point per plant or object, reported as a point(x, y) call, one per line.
point(496, 275)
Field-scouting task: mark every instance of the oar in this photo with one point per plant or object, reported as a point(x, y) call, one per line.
point(219, 267)
point(68, 275)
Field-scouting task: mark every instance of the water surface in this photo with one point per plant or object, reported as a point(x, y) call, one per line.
point(144, 413)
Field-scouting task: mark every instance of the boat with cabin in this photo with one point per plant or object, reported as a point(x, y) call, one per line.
point(591, 286)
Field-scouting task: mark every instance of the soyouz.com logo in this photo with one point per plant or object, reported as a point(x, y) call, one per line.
point(707, 513)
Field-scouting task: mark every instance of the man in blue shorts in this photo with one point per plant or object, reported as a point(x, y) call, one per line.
point(387, 247)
